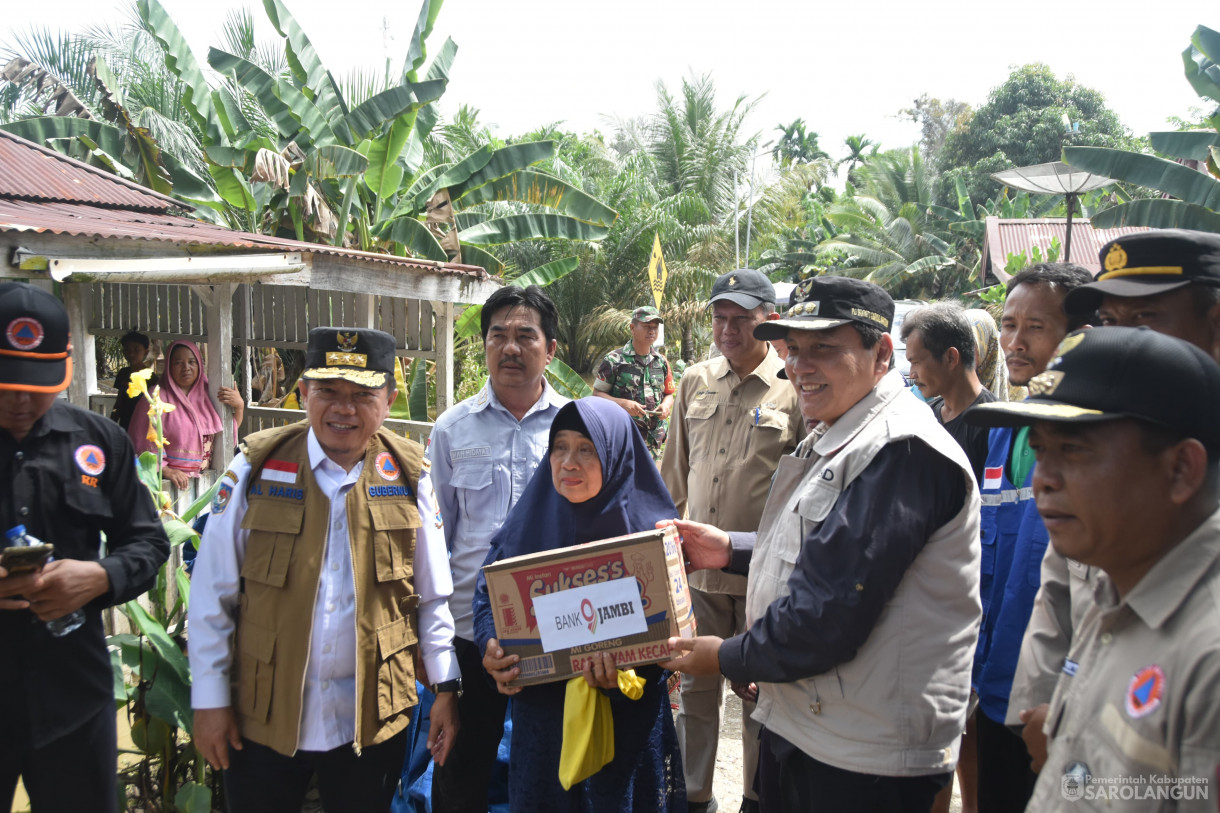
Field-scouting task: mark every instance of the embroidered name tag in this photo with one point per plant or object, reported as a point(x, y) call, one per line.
point(277, 491)
point(465, 454)
point(391, 491)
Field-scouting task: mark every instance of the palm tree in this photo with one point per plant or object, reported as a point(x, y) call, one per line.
point(795, 145)
point(858, 152)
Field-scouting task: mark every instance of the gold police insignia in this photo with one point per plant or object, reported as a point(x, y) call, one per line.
point(1045, 383)
point(732, 281)
point(1067, 345)
point(347, 341)
point(1116, 258)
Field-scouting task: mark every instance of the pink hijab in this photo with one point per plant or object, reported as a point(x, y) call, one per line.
point(194, 419)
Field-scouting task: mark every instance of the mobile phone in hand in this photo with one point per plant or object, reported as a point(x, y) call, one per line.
point(25, 559)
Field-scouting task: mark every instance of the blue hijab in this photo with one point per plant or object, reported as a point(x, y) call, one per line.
point(633, 497)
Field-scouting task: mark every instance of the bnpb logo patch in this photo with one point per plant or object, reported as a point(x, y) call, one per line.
point(387, 467)
point(90, 459)
point(221, 501)
point(24, 333)
point(1144, 693)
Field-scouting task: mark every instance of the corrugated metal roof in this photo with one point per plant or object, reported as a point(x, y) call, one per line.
point(84, 220)
point(32, 172)
point(1006, 237)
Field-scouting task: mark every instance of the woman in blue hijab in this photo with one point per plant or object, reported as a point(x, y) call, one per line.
point(600, 482)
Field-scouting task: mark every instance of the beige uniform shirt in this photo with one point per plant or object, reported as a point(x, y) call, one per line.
point(1141, 716)
point(726, 437)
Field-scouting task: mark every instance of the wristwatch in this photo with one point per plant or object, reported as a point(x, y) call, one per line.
point(454, 685)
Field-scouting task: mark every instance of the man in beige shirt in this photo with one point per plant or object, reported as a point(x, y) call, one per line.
point(733, 420)
point(1128, 482)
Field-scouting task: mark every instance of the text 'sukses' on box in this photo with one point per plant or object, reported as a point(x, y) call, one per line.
point(626, 595)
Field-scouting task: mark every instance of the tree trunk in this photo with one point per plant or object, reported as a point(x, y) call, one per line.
point(688, 344)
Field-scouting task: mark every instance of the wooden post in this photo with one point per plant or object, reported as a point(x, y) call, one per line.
point(220, 370)
point(444, 355)
point(365, 310)
point(84, 347)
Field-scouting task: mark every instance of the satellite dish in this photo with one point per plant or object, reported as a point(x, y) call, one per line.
point(1055, 178)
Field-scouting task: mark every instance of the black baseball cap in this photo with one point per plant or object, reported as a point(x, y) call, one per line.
point(821, 303)
point(1149, 263)
point(1106, 373)
point(357, 354)
point(35, 346)
point(745, 287)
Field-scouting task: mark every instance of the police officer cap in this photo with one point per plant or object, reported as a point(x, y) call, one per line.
point(360, 355)
point(35, 352)
point(745, 287)
point(1119, 372)
point(821, 303)
point(1149, 263)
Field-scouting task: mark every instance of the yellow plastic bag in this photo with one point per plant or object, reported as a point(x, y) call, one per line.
point(588, 727)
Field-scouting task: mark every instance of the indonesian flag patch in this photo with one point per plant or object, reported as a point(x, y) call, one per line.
point(281, 471)
point(993, 476)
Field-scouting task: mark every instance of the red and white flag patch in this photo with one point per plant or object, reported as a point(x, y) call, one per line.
point(993, 476)
point(281, 471)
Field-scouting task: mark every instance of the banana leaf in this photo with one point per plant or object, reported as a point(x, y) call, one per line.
point(233, 188)
point(334, 161)
point(473, 255)
point(160, 640)
point(512, 228)
point(413, 236)
point(181, 62)
point(451, 176)
point(418, 399)
point(166, 696)
point(1199, 64)
point(502, 162)
point(469, 324)
point(1155, 173)
point(232, 117)
point(548, 273)
point(262, 86)
point(304, 61)
point(387, 106)
point(540, 189)
point(193, 798)
point(566, 381)
point(1158, 213)
point(1187, 144)
point(310, 116)
point(417, 51)
point(384, 174)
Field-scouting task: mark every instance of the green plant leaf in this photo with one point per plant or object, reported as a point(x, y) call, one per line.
point(414, 236)
point(116, 672)
point(163, 692)
point(1186, 144)
point(160, 640)
point(417, 51)
point(304, 61)
point(469, 325)
point(233, 188)
point(473, 255)
point(418, 399)
point(334, 161)
point(201, 501)
point(1158, 214)
point(540, 189)
point(262, 86)
point(310, 116)
point(178, 531)
point(548, 273)
point(512, 228)
point(193, 797)
point(452, 175)
point(181, 62)
point(148, 471)
point(388, 105)
point(1147, 170)
point(567, 382)
point(500, 163)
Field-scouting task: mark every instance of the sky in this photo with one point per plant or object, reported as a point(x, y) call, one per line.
point(845, 67)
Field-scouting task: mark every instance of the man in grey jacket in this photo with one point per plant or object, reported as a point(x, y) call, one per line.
point(863, 598)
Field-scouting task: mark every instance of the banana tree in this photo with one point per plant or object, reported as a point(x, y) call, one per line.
point(1192, 197)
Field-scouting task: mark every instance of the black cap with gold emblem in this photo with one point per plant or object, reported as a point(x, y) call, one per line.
point(825, 302)
point(1147, 264)
point(1119, 372)
point(360, 355)
point(745, 287)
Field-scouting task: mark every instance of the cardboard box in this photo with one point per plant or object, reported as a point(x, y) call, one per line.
point(626, 595)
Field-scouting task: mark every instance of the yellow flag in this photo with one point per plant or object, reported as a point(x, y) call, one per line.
point(658, 275)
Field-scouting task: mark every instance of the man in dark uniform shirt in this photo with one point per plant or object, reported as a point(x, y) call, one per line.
point(68, 476)
point(941, 351)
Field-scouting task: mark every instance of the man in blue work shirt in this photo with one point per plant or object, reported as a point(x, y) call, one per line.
point(483, 452)
point(1013, 535)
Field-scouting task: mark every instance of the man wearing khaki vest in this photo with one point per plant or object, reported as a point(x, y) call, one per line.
point(320, 590)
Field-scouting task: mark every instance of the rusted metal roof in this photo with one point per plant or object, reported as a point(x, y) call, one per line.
point(83, 220)
point(32, 172)
point(1005, 237)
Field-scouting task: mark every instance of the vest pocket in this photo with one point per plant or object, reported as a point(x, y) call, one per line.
point(256, 650)
point(274, 528)
point(394, 527)
point(396, 669)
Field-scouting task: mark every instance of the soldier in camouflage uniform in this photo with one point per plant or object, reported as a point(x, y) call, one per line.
point(640, 381)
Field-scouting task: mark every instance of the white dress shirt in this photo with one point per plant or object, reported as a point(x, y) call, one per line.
point(482, 458)
point(328, 711)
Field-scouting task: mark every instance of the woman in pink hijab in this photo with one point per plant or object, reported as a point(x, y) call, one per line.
point(190, 427)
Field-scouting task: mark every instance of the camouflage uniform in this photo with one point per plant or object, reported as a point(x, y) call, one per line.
point(646, 380)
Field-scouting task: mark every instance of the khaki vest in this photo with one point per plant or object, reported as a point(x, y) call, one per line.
point(898, 707)
point(279, 582)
